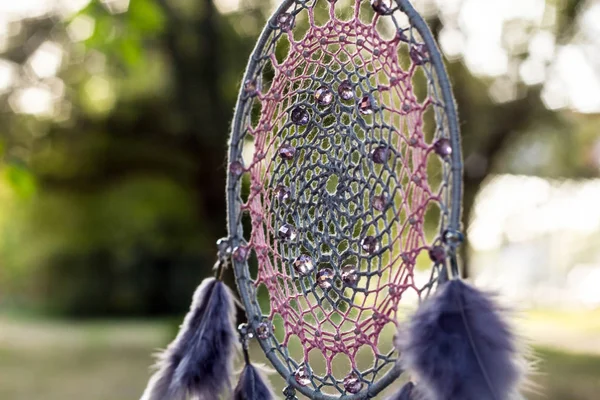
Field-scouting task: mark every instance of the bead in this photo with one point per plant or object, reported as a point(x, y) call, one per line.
point(236, 168)
point(369, 245)
point(352, 383)
point(304, 264)
point(300, 115)
point(250, 87)
point(437, 254)
point(380, 155)
point(287, 232)
point(349, 275)
point(285, 21)
point(287, 152)
point(381, 7)
point(282, 193)
point(381, 202)
point(345, 91)
point(302, 376)
point(366, 105)
point(442, 147)
point(325, 278)
point(263, 330)
point(324, 96)
point(417, 54)
point(240, 253)
point(223, 247)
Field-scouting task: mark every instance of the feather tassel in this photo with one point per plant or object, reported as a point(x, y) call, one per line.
point(253, 385)
point(459, 346)
point(199, 361)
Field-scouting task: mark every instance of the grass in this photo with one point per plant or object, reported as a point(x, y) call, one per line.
point(110, 360)
point(566, 376)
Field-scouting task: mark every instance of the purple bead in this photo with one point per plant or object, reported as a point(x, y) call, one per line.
point(366, 105)
point(380, 203)
point(417, 54)
point(345, 91)
point(302, 377)
point(380, 155)
point(369, 245)
point(381, 7)
point(352, 383)
point(282, 193)
point(287, 232)
point(250, 87)
point(349, 275)
point(325, 278)
point(285, 21)
point(304, 264)
point(300, 115)
point(442, 147)
point(236, 168)
point(437, 254)
point(240, 253)
point(324, 96)
point(287, 152)
point(263, 331)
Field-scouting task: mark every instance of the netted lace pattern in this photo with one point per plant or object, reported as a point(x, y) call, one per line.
point(346, 146)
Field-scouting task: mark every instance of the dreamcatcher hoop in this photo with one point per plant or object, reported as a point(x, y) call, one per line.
point(236, 207)
point(346, 161)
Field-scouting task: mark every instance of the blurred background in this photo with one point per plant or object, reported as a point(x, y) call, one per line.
point(114, 119)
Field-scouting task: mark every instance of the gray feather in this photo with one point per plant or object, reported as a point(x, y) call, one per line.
point(459, 346)
point(253, 385)
point(199, 361)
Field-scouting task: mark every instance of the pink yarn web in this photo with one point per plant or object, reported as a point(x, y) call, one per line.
point(333, 193)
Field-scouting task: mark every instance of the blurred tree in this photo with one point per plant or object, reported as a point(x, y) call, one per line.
point(114, 129)
point(149, 93)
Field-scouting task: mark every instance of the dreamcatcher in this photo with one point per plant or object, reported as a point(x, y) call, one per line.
point(344, 181)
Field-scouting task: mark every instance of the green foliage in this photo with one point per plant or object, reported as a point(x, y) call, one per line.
point(20, 180)
point(127, 250)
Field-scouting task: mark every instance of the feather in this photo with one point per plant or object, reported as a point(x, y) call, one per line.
point(199, 361)
point(406, 393)
point(459, 346)
point(253, 385)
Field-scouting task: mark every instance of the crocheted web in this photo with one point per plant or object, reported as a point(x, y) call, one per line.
point(346, 150)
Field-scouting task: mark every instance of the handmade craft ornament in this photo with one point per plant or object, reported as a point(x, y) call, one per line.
point(350, 141)
point(346, 131)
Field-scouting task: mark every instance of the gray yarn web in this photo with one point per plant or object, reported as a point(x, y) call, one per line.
point(344, 182)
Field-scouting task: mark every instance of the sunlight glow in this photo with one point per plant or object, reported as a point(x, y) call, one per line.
point(8, 75)
point(452, 42)
point(81, 28)
point(116, 6)
point(227, 6)
point(100, 93)
point(46, 60)
point(532, 71)
point(541, 207)
point(582, 83)
point(583, 281)
point(33, 100)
